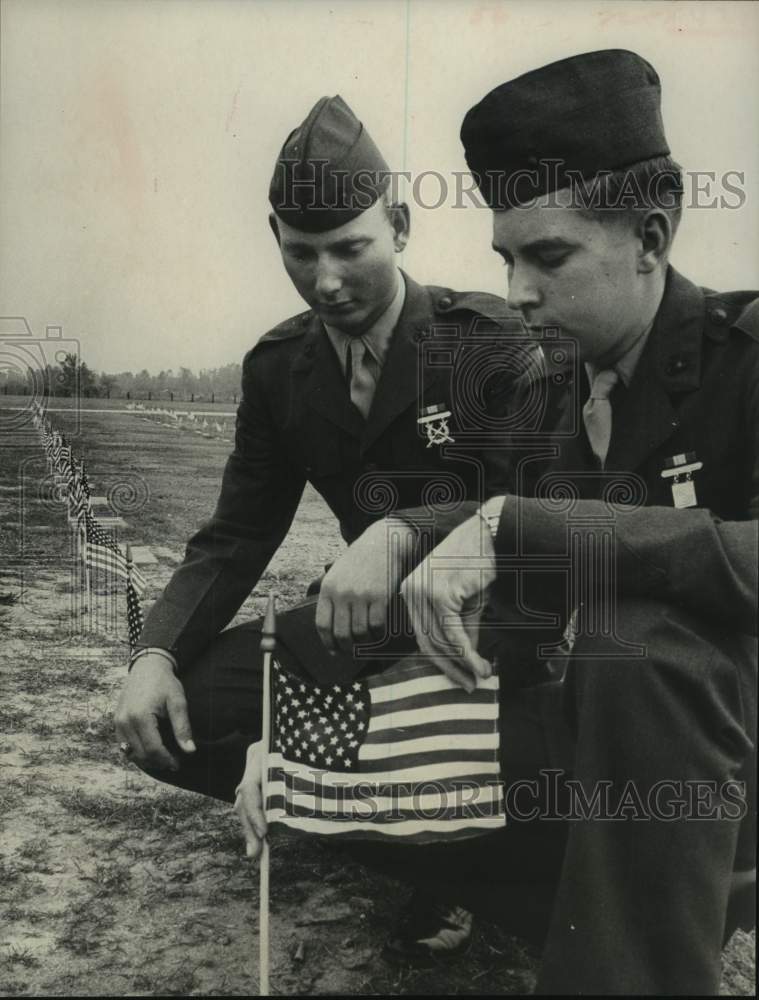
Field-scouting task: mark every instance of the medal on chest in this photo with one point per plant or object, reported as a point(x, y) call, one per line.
point(680, 469)
point(434, 421)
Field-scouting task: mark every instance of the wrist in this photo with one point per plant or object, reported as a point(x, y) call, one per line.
point(157, 655)
point(408, 537)
point(490, 513)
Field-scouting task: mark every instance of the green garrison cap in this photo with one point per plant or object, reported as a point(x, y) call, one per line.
point(579, 116)
point(329, 170)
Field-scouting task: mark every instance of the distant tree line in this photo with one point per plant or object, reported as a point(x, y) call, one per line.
point(73, 377)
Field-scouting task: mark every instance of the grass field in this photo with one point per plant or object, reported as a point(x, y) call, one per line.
point(109, 883)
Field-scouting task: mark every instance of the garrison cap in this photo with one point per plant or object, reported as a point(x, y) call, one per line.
point(329, 170)
point(600, 111)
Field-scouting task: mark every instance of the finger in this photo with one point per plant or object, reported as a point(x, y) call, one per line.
point(455, 634)
point(176, 706)
point(324, 615)
point(450, 649)
point(153, 751)
point(128, 734)
point(250, 787)
point(360, 622)
point(377, 618)
point(252, 840)
point(446, 665)
point(454, 672)
point(342, 633)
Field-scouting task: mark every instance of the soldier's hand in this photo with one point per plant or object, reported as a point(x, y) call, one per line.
point(445, 596)
point(356, 592)
point(249, 805)
point(152, 692)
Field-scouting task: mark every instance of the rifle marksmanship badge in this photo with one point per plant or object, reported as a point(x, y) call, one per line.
point(434, 420)
point(680, 469)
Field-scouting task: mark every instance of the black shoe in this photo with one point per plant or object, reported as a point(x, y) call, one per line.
point(430, 931)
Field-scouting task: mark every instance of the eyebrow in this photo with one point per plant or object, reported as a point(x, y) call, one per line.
point(541, 246)
point(343, 244)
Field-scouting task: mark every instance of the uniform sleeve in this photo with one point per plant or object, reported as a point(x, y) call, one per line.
point(687, 558)
point(223, 561)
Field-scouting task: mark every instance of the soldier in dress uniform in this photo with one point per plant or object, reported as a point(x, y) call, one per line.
point(337, 397)
point(633, 503)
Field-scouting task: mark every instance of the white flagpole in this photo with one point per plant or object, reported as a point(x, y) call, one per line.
point(268, 642)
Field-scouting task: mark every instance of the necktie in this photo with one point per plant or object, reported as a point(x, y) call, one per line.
point(358, 371)
point(597, 413)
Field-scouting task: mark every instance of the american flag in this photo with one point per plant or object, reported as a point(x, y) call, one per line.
point(402, 755)
point(101, 551)
point(84, 481)
point(134, 613)
point(79, 502)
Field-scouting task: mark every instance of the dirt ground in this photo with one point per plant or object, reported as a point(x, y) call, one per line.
point(111, 884)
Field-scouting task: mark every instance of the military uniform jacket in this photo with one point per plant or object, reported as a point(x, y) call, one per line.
point(296, 424)
point(693, 400)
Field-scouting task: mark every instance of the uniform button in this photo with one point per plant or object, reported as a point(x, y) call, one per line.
point(718, 315)
point(675, 365)
point(445, 302)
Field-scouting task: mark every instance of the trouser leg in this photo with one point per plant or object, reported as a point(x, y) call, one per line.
point(642, 899)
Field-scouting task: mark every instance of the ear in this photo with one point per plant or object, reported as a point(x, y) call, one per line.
point(401, 222)
point(274, 226)
point(655, 234)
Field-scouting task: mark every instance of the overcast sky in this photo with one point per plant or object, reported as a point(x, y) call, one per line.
point(137, 139)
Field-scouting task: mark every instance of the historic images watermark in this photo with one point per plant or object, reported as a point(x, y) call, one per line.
point(459, 189)
point(550, 795)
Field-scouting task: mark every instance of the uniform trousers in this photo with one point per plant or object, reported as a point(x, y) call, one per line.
point(627, 893)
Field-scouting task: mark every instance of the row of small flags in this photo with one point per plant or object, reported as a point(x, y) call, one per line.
point(97, 546)
point(182, 418)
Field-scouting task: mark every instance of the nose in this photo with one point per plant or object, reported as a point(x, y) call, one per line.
point(328, 279)
point(523, 292)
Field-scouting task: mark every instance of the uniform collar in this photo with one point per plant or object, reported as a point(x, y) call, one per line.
point(626, 365)
point(379, 336)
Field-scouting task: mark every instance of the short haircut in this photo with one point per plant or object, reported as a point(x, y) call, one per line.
point(632, 191)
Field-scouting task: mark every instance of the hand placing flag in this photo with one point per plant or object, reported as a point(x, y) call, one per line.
point(445, 598)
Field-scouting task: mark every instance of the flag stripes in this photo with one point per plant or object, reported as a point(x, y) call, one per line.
point(403, 754)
